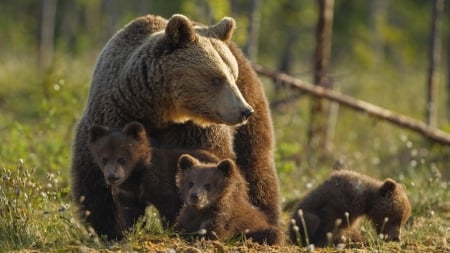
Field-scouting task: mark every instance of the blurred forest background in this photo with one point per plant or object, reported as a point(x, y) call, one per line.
point(379, 53)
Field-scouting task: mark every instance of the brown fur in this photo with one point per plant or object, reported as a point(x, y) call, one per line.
point(358, 195)
point(140, 76)
point(216, 203)
point(138, 175)
point(124, 159)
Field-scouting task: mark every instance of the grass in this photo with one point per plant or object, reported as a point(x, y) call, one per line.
point(38, 113)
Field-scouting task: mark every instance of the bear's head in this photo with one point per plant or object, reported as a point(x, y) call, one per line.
point(202, 185)
point(390, 209)
point(119, 153)
point(201, 73)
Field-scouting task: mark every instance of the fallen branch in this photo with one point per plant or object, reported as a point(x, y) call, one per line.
point(358, 105)
point(281, 102)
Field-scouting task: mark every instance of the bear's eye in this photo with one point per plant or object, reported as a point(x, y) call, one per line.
point(207, 187)
point(217, 81)
point(190, 184)
point(121, 161)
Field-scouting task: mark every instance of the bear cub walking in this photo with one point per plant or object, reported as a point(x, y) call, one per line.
point(216, 203)
point(337, 205)
point(137, 174)
point(124, 159)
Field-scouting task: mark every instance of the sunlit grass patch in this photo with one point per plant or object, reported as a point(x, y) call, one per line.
point(34, 215)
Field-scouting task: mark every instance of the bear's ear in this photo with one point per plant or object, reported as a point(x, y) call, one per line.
point(186, 161)
point(226, 166)
point(135, 130)
point(388, 187)
point(96, 132)
point(224, 28)
point(179, 31)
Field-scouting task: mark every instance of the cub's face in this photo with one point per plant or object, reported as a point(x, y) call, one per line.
point(202, 74)
point(118, 153)
point(114, 156)
point(201, 185)
point(391, 210)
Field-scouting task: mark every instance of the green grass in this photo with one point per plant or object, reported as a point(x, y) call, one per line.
point(38, 113)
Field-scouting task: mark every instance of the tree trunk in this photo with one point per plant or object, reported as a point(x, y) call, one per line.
point(47, 34)
point(434, 54)
point(448, 63)
point(287, 58)
point(143, 7)
point(110, 7)
point(377, 17)
point(318, 118)
point(234, 7)
point(251, 48)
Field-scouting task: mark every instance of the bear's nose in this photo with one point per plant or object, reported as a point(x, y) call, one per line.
point(112, 178)
point(247, 113)
point(194, 197)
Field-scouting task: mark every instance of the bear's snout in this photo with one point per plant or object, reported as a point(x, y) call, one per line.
point(197, 200)
point(194, 197)
point(112, 178)
point(247, 113)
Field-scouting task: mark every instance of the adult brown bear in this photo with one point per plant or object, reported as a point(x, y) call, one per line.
point(191, 88)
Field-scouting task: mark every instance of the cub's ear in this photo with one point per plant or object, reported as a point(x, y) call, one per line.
point(186, 161)
point(224, 28)
point(179, 31)
point(135, 130)
point(227, 166)
point(96, 132)
point(388, 187)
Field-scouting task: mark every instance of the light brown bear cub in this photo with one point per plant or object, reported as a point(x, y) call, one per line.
point(348, 193)
point(137, 174)
point(216, 203)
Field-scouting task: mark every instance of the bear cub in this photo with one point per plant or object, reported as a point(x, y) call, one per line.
point(124, 158)
point(217, 205)
point(137, 174)
point(337, 205)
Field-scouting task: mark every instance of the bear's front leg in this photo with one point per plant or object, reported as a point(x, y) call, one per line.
point(254, 144)
point(93, 198)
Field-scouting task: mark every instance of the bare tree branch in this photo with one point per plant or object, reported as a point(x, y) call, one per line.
point(358, 105)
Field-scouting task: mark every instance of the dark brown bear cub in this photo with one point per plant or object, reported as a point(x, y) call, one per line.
point(336, 206)
point(216, 203)
point(136, 173)
point(124, 157)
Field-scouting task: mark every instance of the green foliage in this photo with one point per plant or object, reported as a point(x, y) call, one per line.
point(34, 215)
point(38, 121)
point(39, 109)
point(18, 21)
